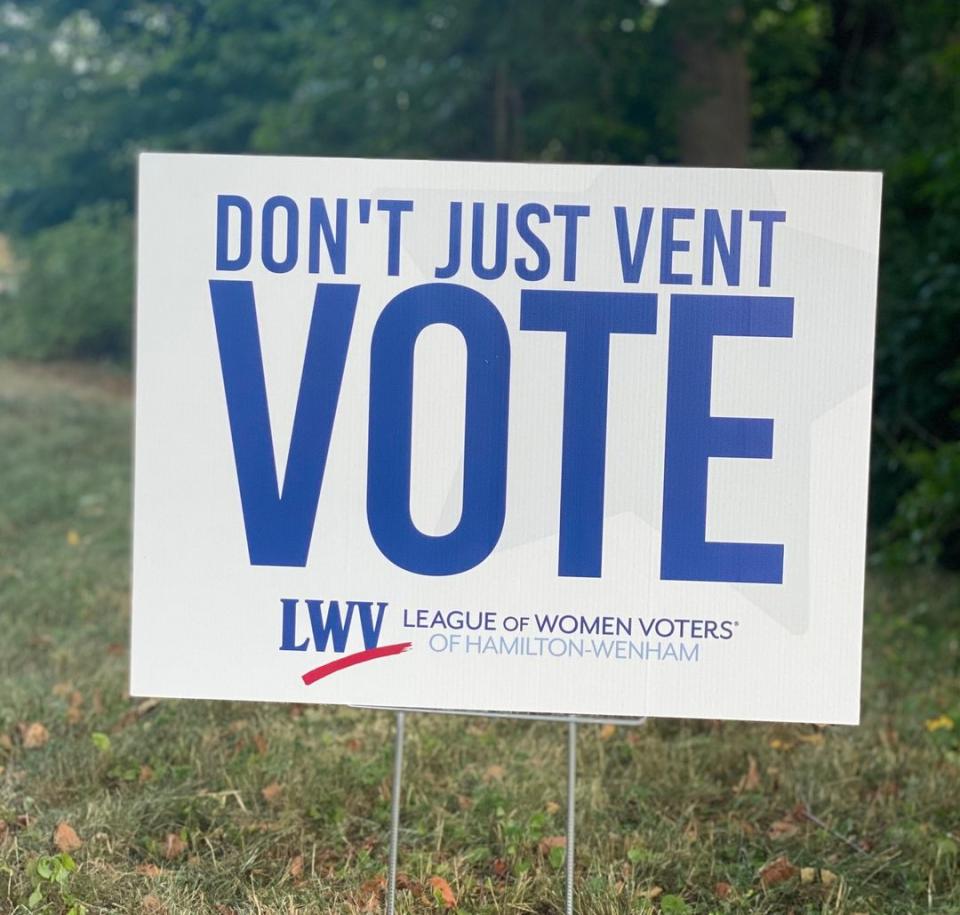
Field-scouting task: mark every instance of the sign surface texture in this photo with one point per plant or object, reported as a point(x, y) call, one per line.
point(494, 437)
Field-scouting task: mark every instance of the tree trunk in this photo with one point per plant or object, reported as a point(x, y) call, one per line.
point(714, 127)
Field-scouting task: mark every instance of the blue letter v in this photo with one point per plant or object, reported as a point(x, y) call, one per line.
point(279, 522)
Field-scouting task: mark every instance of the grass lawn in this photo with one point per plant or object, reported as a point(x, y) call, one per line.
point(197, 807)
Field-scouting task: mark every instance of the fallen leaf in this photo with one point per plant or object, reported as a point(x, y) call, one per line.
point(224, 910)
point(371, 891)
point(73, 538)
point(25, 821)
point(152, 906)
point(750, 781)
point(500, 868)
point(782, 829)
point(33, 735)
point(65, 838)
point(464, 802)
point(940, 723)
point(778, 871)
point(549, 842)
point(148, 870)
point(296, 867)
point(783, 745)
point(827, 877)
point(173, 846)
point(271, 794)
point(808, 874)
point(494, 773)
point(815, 740)
point(442, 888)
point(260, 742)
point(651, 893)
point(136, 713)
point(552, 807)
point(722, 890)
point(607, 731)
point(146, 773)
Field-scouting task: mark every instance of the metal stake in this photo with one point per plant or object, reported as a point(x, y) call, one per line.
point(395, 816)
point(571, 807)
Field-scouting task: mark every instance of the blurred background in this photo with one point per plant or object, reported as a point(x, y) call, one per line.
point(839, 84)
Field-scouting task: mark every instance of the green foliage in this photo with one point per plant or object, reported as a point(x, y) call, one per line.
point(74, 297)
point(866, 84)
point(51, 876)
point(926, 526)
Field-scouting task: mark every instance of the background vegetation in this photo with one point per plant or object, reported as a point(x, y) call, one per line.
point(863, 84)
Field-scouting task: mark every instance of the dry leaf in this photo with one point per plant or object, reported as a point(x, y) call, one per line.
point(500, 868)
point(272, 792)
point(722, 890)
point(33, 735)
point(371, 891)
point(651, 893)
point(808, 874)
point(815, 740)
point(260, 742)
point(146, 773)
point(940, 723)
point(778, 871)
point(549, 842)
point(173, 846)
point(782, 829)
point(750, 781)
point(552, 807)
point(607, 731)
point(65, 838)
point(134, 714)
point(150, 905)
point(783, 745)
point(148, 870)
point(446, 894)
point(296, 867)
point(827, 877)
point(73, 538)
point(494, 773)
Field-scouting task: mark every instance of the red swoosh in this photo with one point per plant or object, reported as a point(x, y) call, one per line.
point(358, 657)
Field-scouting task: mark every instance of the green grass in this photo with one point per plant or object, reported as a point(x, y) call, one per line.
point(666, 806)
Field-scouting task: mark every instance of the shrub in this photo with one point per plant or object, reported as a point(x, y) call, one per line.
point(74, 294)
point(926, 525)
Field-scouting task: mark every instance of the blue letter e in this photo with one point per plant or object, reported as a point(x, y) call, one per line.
point(694, 436)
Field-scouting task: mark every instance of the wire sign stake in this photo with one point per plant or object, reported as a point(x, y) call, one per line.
point(571, 821)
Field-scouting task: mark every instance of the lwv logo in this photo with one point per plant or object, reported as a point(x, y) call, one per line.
point(331, 627)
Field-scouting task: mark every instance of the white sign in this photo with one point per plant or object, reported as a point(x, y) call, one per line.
point(543, 438)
